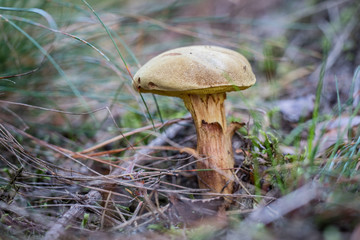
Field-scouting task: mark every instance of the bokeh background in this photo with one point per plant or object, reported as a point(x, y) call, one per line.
point(65, 85)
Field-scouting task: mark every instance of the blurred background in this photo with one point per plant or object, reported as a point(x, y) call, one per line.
point(65, 85)
point(66, 59)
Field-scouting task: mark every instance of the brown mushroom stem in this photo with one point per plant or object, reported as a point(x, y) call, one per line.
point(213, 141)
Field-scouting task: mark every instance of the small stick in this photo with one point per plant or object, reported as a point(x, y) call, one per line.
point(75, 211)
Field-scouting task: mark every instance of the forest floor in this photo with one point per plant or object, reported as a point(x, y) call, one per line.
point(84, 156)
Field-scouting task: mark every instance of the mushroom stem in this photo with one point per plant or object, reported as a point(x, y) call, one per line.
point(213, 141)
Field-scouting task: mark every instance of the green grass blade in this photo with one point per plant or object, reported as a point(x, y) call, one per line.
point(41, 12)
point(118, 50)
point(315, 118)
point(53, 62)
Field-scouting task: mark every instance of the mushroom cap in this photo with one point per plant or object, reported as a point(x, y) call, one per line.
point(195, 70)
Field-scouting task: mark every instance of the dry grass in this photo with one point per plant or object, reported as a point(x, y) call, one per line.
point(82, 155)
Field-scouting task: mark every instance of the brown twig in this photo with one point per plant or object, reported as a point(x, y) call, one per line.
point(56, 231)
point(117, 138)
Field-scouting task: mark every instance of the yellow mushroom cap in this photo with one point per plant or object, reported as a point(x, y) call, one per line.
point(195, 70)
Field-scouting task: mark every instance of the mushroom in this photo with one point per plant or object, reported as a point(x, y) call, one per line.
point(201, 76)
